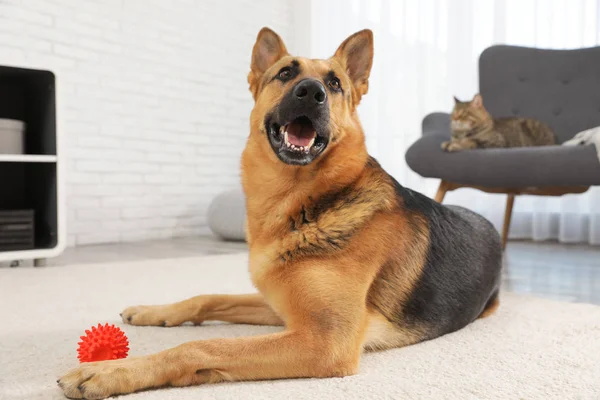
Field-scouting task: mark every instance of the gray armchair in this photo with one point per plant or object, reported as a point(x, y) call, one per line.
point(559, 87)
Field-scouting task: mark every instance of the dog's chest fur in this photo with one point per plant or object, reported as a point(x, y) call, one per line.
point(326, 224)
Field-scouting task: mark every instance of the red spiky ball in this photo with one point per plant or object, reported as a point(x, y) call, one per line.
point(102, 342)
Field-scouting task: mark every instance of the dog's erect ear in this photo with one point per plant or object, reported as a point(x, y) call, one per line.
point(456, 101)
point(355, 55)
point(268, 49)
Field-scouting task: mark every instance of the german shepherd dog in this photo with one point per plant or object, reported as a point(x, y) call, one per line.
point(343, 256)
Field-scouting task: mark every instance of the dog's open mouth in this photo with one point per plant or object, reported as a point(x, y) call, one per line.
point(296, 142)
point(299, 135)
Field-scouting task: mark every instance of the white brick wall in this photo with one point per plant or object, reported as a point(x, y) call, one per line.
point(156, 103)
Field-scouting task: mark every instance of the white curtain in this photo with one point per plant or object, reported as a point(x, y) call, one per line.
point(426, 51)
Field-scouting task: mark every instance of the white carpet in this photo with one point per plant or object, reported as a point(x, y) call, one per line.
point(531, 349)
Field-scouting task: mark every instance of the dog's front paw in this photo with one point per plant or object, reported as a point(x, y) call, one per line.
point(445, 145)
point(103, 379)
point(166, 315)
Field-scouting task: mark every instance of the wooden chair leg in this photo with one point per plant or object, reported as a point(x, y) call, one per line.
point(441, 193)
point(510, 201)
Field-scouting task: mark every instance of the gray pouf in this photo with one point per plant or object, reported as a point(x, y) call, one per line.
point(227, 215)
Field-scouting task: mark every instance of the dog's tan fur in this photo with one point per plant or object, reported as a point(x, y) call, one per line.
point(320, 266)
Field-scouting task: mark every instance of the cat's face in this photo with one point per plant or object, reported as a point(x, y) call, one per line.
point(467, 115)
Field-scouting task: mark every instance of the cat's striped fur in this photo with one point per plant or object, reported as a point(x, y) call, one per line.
point(474, 128)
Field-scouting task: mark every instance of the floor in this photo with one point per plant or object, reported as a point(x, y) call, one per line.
point(531, 348)
point(552, 270)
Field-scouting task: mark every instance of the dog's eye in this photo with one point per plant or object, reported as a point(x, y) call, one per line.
point(335, 84)
point(285, 73)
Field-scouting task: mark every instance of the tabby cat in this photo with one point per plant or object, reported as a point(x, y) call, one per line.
point(474, 128)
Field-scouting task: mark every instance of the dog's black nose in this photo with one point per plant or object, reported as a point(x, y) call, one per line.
point(310, 92)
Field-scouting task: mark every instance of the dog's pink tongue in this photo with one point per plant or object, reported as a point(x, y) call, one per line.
point(299, 134)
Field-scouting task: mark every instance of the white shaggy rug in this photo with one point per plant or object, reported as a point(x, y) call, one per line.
point(530, 349)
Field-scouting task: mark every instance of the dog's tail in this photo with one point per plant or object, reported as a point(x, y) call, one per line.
point(491, 306)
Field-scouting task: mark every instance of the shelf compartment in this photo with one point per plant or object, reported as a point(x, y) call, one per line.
point(29, 95)
point(32, 186)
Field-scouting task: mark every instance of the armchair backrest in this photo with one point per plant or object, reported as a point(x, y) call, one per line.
point(558, 87)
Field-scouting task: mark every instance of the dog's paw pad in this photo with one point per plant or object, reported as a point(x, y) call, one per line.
point(150, 316)
point(99, 380)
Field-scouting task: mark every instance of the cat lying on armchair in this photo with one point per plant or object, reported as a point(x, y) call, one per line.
point(474, 128)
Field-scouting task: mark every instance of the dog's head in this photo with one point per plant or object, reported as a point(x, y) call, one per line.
point(303, 108)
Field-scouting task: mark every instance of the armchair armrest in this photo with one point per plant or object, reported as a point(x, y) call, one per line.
point(436, 123)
